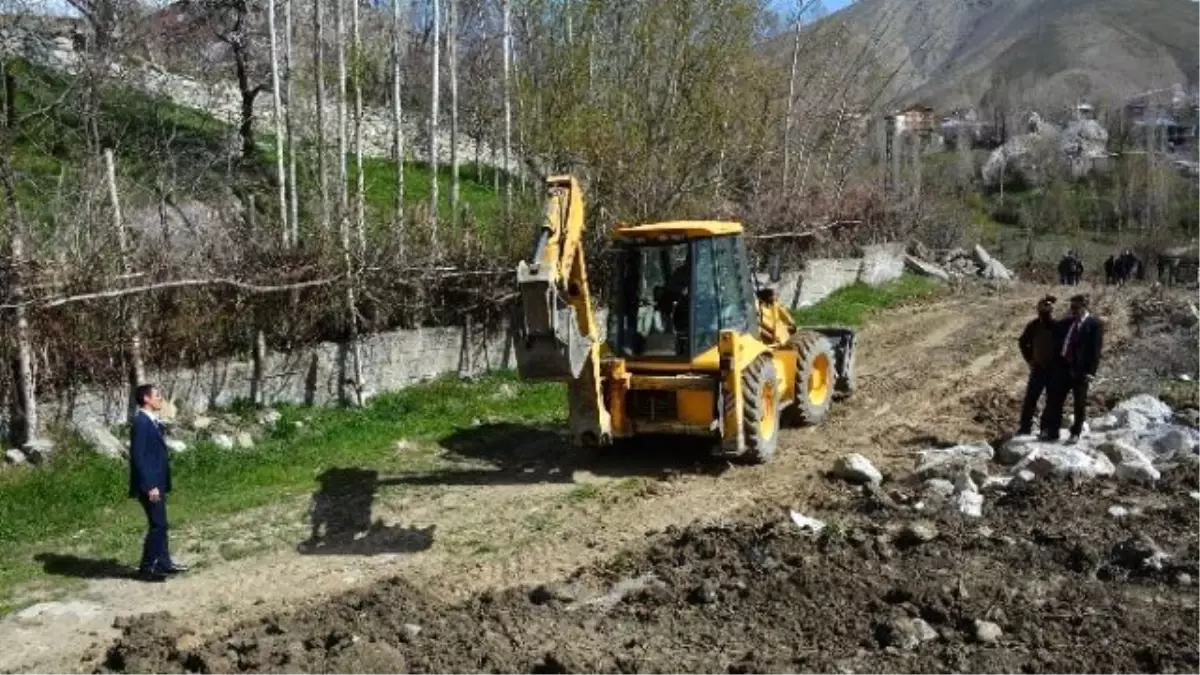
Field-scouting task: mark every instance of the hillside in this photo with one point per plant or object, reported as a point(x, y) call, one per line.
point(950, 53)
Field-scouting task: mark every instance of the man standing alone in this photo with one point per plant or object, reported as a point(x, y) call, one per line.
point(1039, 344)
point(149, 483)
point(1080, 359)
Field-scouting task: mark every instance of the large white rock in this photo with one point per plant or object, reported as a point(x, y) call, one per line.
point(1016, 449)
point(926, 268)
point(1065, 460)
point(96, 435)
point(855, 468)
point(952, 462)
point(969, 503)
point(1148, 407)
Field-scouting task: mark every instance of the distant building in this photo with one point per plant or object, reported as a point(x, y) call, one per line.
point(916, 118)
point(1164, 120)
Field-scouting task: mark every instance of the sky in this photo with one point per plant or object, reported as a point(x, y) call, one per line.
point(830, 5)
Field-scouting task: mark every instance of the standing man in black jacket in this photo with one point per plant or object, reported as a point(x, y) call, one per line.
point(1079, 359)
point(1039, 343)
point(149, 483)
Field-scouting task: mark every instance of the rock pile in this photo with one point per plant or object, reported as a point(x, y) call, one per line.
point(958, 263)
point(1137, 441)
point(227, 431)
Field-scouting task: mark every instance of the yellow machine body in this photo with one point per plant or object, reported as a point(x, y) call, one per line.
point(692, 347)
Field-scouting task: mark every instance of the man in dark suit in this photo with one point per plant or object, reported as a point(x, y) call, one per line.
point(1040, 345)
point(149, 483)
point(1079, 360)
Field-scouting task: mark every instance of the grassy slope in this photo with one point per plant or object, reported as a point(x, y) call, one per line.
point(78, 504)
point(853, 305)
point(153, 136)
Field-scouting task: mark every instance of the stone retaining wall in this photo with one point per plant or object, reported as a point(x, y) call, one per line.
point(396, 359)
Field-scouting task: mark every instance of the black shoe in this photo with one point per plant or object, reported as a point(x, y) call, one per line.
point(151, 576)
point(1048, 438)
point(1024, 432)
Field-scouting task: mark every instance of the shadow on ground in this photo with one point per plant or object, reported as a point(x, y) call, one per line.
point(517, 454)
point(61, 565)
point(340, 515)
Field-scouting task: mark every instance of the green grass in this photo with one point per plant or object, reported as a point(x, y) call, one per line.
point(155, 139)
point(852, 305)
point(78, 502)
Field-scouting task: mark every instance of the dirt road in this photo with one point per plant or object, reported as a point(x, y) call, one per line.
point(524, 513)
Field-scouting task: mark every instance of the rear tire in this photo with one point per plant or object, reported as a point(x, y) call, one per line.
point(816, 379)
point(760, 416)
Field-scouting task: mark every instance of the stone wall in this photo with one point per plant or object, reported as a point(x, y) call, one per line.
point(819, 278)
point(310, 376)
point(397, 359)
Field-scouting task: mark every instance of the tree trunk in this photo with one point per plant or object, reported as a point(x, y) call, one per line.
point(791, 102)
point(26, 394)
point(398, 115)
point(360, 217)
point(506, 10)
point(435, 88)
point(289, 122)
point(452, 38)
point(319, 67)
point(277, 110)
point(10, 98)
point(343, 177)
point(137, 370)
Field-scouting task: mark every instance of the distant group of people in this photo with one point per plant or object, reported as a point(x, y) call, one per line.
point(1063, 355)
point(1120, 268)
point(1070, 269)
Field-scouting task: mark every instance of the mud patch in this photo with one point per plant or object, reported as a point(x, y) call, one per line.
point(1068, 586)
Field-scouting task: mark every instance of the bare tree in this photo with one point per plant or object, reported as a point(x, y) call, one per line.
point(277, 109)
point(137, 370)
point(343, 173)
point(360, 216)
point(18, 234)
point(435, 87)
point(289, 121)
point(319, 74)
point(398, 111)
point(452, 39)
point(228, 19)
point(506, 19)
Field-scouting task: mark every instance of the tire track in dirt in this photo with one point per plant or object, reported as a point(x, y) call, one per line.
point(915, 383)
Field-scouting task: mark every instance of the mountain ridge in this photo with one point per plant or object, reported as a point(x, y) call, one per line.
point(1021, 53)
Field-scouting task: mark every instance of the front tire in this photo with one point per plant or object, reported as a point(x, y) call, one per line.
point(816, 379)
point(760, 417)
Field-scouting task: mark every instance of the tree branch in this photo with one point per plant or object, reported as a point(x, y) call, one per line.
point(163, 285)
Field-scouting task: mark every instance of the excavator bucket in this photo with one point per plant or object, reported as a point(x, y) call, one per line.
point(548, 342)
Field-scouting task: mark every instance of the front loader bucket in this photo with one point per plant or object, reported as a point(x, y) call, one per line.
point(548, 343)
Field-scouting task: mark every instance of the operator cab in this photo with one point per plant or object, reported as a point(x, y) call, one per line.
point(676, 286)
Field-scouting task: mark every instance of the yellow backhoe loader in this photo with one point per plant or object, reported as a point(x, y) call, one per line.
point(692, 346)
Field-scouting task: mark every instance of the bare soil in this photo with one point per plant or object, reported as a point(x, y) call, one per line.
point(740, 587)
point(1049, 566)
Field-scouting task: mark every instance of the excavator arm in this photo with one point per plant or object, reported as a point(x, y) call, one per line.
point(557, 337)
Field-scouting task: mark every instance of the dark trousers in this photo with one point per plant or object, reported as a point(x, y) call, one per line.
point(1064, 383)
point(154, 548)
point(1040, 381)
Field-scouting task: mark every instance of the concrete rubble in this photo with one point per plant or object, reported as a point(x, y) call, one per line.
point(957, 263)
point(1136, 442)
